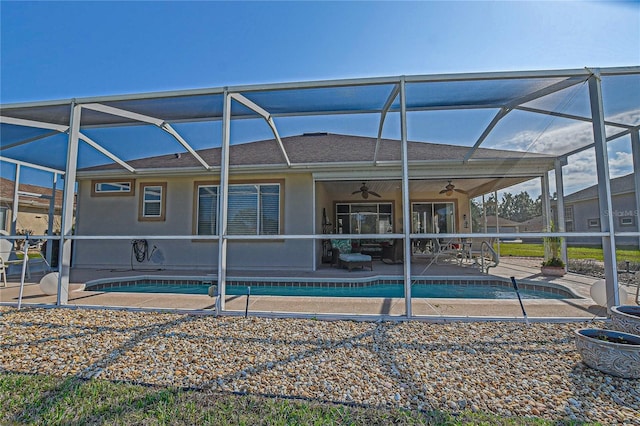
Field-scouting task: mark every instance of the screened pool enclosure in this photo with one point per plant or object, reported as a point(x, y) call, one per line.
point(255, 177)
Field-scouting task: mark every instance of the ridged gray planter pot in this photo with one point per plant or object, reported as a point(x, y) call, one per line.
point(626, 318)
point(617, 359)
point(553, 271)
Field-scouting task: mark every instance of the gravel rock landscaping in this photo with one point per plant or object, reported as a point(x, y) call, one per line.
point(505, 368)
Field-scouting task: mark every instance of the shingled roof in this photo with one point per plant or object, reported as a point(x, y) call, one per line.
point(619, 185)
point(6, 194)
point(319, 148)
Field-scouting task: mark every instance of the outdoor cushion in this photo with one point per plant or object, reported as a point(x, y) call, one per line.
point(355, 257)
point(343, 246)
point(352, 260)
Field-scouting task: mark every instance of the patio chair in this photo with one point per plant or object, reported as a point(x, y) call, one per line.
point(343, 256)
point(8, 258)
point(448, 251)
point(393, 253)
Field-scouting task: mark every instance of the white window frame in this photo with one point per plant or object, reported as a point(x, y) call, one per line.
point(142, 213)
point(112, 188)
point(339, 226)
point(626, 221)
point(593, 223)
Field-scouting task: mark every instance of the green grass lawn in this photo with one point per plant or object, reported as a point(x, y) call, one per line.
point(537, 250)
point(27, 399)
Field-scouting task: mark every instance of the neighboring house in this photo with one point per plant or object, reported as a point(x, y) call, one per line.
point(535, 224)
point(33, 207)
point(582, 212)
point(330, 187)
point(504, 225)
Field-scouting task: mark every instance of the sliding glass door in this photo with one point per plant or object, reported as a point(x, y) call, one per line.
point(364, 218)
point(431, 218)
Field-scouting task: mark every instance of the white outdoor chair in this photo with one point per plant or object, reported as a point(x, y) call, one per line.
point(8, 258)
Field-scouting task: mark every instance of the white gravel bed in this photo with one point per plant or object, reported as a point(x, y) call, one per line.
point(504, 368)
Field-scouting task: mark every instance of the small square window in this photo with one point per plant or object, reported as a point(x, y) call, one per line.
point(627, 221)
point(152, 201)
point(593, 223)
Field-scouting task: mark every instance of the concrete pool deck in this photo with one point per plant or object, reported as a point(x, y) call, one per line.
point(433, 308)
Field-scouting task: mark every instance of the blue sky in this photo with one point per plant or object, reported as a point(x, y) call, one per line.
point(61, 50)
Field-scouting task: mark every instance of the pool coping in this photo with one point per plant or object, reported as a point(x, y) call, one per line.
point(524, 284)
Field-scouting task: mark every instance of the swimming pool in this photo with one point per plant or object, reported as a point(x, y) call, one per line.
point(376, 288)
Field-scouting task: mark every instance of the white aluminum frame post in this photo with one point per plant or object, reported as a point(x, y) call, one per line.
point(560, 222)
point(635, 149)
point(66, 226)
point(224, 192)
point(406, 220)
point(604, 190)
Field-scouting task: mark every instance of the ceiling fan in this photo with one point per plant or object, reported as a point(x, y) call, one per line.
point(364, 190)
point(448, 190)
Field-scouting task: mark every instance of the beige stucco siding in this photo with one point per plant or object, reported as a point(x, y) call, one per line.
point(118, 215)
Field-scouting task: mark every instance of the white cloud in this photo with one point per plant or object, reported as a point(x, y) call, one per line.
point(620, 164)
point(580, 172)
point(563, 139)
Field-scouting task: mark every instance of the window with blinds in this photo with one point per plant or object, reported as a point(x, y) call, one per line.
point(252, 209)
point(152, 201)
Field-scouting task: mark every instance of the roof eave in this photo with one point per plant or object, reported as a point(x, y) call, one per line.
point(541, 163)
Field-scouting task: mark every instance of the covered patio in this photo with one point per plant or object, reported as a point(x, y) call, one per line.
point(600, 98)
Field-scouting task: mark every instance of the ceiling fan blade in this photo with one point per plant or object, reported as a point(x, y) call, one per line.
point(374, 193)
point(356, 192)
point(443, 191)
point(462, 191)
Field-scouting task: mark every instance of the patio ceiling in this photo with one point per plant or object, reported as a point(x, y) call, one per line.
point(532, 92)
point(473, 186)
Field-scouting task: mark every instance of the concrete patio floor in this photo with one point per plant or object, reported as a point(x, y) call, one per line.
point(432, 308)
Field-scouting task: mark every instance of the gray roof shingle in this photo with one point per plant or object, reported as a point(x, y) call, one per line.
point(619, 185)
point(319, 148)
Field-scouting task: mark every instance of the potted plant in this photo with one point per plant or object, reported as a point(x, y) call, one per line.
point(553, 264)
point(611, 352)
point(626, 318)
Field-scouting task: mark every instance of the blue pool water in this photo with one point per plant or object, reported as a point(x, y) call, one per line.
point(476, 291)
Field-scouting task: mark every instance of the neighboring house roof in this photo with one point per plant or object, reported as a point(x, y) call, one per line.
point(619, 185)
point(320, 148)
point(6, 195)
point(535, 224)
point(491, 221)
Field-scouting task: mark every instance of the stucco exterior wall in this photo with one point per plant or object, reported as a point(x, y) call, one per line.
point(624, 206)
point(34, 220)
point(118, 215)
